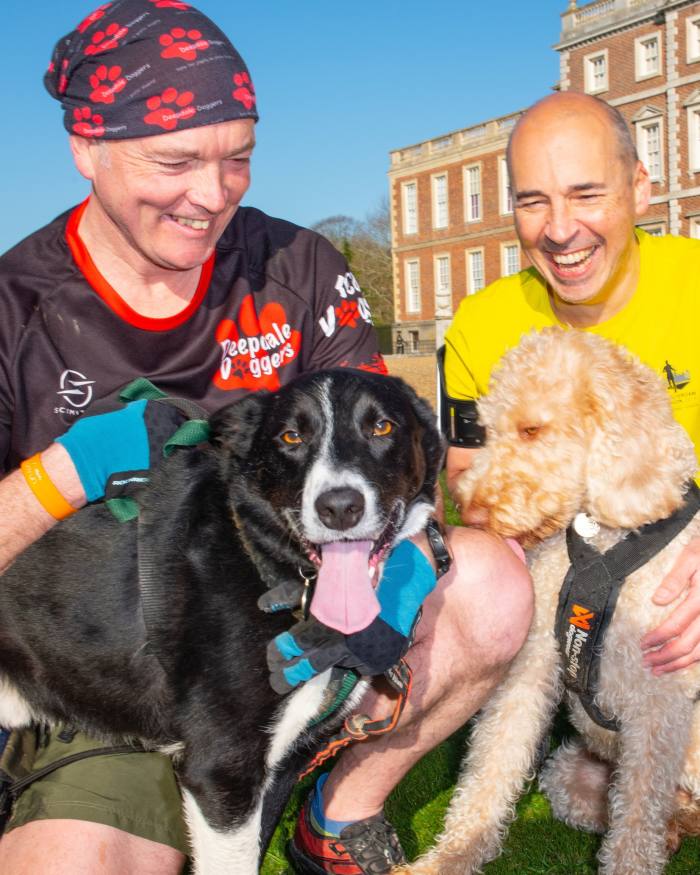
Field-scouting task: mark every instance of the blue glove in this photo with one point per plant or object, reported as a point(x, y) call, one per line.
point(114, 451)
point(309, 647)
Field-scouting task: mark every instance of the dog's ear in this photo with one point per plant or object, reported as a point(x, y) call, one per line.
point(640, 459)
point(234, 427)
point(428, 445)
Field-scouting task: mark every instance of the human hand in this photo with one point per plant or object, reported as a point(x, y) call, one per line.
point(113, 452)
point(675, 644)
point(310, 647)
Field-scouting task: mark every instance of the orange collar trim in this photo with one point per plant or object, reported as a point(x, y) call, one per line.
point(113, 299)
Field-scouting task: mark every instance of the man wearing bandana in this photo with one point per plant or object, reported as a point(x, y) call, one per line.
point(161, 273)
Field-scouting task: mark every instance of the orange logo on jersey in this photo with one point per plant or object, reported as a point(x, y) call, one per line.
point(581, 617)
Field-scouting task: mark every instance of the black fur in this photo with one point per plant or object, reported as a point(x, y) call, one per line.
point(73, 639)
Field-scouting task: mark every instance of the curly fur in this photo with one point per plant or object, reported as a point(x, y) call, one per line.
point(575, 423)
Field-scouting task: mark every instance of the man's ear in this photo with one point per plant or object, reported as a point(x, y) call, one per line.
point(84, 153)
point(641, 185)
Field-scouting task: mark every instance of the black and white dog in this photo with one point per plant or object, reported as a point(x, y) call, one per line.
point(150, 630)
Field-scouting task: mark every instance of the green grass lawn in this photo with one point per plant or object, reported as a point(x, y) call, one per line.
point(536, 843)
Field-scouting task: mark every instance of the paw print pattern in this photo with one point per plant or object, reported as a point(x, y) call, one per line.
point(106, 82)
point(169, 109)
point(104, 40)
point(62, 79)
point(92, 18)
point(348, 313)
point(245, 93)
point(181, 43)
point(170, 4)
point(87, 123)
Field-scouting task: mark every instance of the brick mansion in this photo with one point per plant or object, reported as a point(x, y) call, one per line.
point(451, 209)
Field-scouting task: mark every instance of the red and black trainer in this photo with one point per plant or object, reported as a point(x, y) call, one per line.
point(366, 847)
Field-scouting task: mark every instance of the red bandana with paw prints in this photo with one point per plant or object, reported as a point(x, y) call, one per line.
point(134, 68)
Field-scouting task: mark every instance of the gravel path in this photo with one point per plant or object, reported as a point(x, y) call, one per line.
point(418, 370)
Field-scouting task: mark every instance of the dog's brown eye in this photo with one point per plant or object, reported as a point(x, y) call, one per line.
point(382, 428)
point(528, 432)
point(292, 438)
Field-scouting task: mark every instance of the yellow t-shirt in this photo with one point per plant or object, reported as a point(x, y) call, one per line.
point(660, 324)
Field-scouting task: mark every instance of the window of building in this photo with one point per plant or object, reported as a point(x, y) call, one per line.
point(472, 190)
point(410, 207)
point(505, 194)
point(695, 228)
point(649, 147)
point(692, 37)
point(440, 201)
point(510, 259)
point(647, 56)
point(694, 138)
point(443, 283)
point(656, 229)
point(413, 286)
point(595, 72)
point(475, 270)
point(415, 340)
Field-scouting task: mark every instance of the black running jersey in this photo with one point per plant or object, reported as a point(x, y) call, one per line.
point(274, 300)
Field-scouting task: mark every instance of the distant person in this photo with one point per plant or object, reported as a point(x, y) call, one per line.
point(161, 273)
point(399, 344)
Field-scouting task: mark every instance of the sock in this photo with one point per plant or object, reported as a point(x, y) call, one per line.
point(322, 823)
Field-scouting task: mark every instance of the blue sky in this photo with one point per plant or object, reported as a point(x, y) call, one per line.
point(339, 85)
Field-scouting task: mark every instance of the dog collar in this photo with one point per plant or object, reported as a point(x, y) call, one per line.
point(443, 559)
point(589, 595)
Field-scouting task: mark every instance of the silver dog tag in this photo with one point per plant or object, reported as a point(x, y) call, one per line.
point(585, 526)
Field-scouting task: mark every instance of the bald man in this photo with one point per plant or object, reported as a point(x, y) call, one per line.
point(579, 190)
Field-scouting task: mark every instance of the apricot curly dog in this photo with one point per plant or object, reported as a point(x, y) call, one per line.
point(576, 424)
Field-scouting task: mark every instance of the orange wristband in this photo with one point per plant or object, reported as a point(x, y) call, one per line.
point(44, 489)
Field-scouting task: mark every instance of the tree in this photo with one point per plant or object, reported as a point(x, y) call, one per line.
point(366, 245)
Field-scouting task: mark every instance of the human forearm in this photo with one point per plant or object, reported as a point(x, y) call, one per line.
point(25, 519)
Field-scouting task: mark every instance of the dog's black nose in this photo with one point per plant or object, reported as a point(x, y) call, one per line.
point(340, 508)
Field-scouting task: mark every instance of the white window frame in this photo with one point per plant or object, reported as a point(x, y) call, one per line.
point(413, 296)
point(468, 263)
point(641, 71)
point(694, 227)
point(693, 126)
point(656, 229)
point(692, 39)
point(442, 257)
point(471, 214)
point(642, 130)
point(505, 195)
point(588, 72)
point(509, 244)
point(405, 214)
point(442, 284)
point(438, 224)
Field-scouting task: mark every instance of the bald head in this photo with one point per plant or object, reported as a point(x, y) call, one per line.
point(558, 110)
point(578, 191)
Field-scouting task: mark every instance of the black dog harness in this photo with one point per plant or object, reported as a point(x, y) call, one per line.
point(589, 594)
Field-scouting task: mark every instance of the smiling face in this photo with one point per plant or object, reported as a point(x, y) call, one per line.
point(576, 204)
point(164, 201)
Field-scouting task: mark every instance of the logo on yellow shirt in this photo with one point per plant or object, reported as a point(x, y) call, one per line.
point(676, 379)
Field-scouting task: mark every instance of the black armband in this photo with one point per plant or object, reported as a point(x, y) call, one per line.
point(458, 417)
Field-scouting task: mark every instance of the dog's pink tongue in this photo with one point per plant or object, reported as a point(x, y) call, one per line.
point(344, 598)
